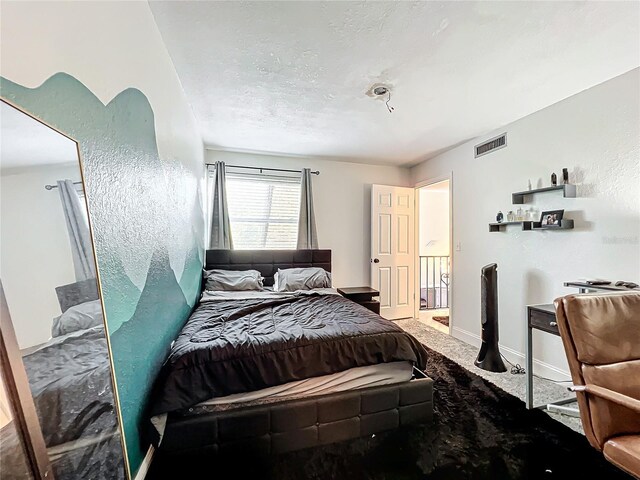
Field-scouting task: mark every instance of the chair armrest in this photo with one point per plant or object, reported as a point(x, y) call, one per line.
point(615, 397)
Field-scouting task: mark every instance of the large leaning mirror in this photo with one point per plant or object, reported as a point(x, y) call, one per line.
point(48, 274)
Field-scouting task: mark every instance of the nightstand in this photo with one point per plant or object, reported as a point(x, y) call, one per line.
point(363, 296)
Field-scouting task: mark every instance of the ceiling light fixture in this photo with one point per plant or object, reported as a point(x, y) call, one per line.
point(381, 91)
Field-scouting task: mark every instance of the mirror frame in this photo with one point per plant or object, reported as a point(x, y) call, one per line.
point(19, 393)
point(114, 386)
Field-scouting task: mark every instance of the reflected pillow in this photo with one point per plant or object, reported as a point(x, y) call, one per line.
point(292, 279)
point(79, 317)
point(232, 280)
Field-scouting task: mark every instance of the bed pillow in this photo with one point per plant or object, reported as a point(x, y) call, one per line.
point(292, 279)
point(79, 317)
point(232, 280)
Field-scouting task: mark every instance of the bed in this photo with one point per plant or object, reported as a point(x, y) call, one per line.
point(70, 381)
point(270, 373)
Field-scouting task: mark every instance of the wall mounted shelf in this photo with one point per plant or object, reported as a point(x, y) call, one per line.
point(565, 224)
point(569, 191)
point(499, 226)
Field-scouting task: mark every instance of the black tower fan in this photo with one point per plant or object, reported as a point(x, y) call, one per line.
point(489, 356)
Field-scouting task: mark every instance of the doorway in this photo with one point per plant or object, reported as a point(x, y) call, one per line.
point(434, 254)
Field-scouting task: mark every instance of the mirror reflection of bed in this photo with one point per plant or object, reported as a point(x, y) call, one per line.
point(48, 274)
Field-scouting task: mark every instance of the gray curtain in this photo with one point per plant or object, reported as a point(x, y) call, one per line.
point(307, 234)
point(75, 215)
point(220, 237)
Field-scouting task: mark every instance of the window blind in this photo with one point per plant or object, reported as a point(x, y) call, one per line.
point(263, 211)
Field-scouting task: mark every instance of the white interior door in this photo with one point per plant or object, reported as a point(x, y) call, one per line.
point(392, 249)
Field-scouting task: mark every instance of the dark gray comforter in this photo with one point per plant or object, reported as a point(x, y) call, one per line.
point(232, 346)
point(70, 382)
point(71, 387)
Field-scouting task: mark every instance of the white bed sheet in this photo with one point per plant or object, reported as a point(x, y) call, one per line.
point(352, 379)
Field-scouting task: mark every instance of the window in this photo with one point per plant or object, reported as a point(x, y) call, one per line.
point(263, 211)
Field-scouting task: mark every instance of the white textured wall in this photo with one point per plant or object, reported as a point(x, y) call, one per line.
point(110, 47)
point(34, 248)
point(596, 135)
point(342, 201)
point(105, 61)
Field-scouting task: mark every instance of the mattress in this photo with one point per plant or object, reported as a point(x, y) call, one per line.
point(348, 380)
point(352, 379)
point(249, 343)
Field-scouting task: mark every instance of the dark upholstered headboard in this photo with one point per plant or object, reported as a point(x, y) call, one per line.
point(267, 262)
point(76, 293)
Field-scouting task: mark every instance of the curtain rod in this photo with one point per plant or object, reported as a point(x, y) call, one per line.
point(317, 172)
point(51, 187)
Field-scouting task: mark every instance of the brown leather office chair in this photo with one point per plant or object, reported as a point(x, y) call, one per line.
point(601, 337)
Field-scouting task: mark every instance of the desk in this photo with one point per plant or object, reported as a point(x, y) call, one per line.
point(543, 318)
point(584, 287)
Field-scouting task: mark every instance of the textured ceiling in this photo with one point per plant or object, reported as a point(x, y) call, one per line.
point(27, 142)
point(292, 77)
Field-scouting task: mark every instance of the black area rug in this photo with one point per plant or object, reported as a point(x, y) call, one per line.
point(478, 432)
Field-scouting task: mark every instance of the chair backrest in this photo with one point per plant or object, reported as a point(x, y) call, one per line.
point(601, 337)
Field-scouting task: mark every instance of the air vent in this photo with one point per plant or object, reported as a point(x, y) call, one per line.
point(491, 145)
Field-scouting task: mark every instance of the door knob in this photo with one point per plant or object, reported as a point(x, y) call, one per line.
point(375, 260)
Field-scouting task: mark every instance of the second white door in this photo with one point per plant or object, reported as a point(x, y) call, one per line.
point(392, 249)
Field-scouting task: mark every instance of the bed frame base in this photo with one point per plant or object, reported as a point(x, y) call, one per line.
point(302, 423)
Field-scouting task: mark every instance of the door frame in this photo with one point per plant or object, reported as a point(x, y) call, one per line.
point(418, 186)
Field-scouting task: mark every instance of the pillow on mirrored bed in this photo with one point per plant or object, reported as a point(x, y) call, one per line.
point(292, 279)
point(79, 317)
point(232, 280)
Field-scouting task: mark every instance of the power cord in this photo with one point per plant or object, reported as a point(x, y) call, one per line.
point(517, 369)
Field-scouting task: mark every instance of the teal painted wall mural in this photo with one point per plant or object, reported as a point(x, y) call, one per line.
point(148, 227)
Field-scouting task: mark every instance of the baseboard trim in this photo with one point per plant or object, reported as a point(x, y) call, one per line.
point(539, 367)
point(146, 463)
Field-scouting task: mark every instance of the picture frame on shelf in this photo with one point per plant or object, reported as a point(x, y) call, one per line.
point(551, 218)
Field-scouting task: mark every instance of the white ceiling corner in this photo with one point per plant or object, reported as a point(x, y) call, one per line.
point(292, 77)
